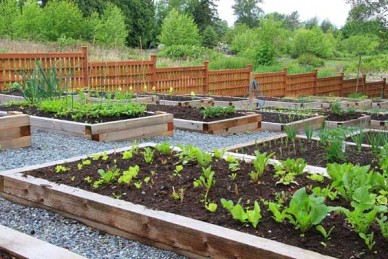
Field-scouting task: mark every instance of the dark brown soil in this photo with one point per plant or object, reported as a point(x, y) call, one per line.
point(157, 194)
point(342, 117)
point(34, 111)
point(312, 152)
point(6, 255)
point(281, 117)
point(379, 117)
point(189, 113)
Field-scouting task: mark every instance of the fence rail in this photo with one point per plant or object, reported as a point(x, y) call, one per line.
point(141, 76)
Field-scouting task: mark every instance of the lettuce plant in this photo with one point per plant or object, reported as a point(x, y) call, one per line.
point(252, 216)
point(259, 163)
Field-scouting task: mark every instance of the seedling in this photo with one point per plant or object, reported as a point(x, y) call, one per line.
point(178, 169)
point(212, 207)
point(148, 155)
point(61, 169)
point(127, 154)
point(260, 163)
point(322, 230)
point(164, 148)
point(128, 175)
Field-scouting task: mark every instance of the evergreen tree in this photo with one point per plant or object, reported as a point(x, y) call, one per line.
point(209, 37)
point(248, 12)
point(205, 14)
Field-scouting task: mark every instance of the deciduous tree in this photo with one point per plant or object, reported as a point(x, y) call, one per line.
point(248, 12)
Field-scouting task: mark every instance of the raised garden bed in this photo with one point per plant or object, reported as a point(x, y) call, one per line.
point(347, 120)
point(344, 102)
point(15, 131)
point(96, 97)
point(312, 151)
point(368, 137)
point(4, 98)
point(113, 129)
point(290, 103)
point(15, 245)
point(236, 102)
point(185, 101)
point(195, 238)
point(379, 121)
point(276, 121)
point(188, 118)
point(382, 104)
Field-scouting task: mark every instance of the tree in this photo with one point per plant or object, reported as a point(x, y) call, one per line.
point(209, 37)
point(62, 19)
point(312, 41)
point(360, 45)
point(248, 12)
point(369, 10)
point(110, 29)
point(28, 25)
point(292, 21)
point(179, 29)
point(139, 19)
point(327, 26)
point(311, 23)
point(204, 13)
point(87, 7)
point(9, 12)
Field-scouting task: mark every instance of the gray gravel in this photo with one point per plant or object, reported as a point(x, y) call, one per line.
point(68, 233)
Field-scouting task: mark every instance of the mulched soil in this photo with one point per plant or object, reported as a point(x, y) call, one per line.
point(157, 194)
point(189, 113)
point(312, 152)
point(6, 255)
point(368, 136)
point(342, 117)
point(379, 117)
point(34, 111)
point(281, 117)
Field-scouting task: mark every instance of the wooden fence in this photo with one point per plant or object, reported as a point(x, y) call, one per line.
point(144, 76)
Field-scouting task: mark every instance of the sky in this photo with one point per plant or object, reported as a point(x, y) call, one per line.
point(336, 11)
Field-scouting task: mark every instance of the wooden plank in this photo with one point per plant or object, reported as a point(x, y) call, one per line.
point(254, 126)
point(58, 126)
point(191, 235)
point(228, 123)
point(26, 246)
point(136, 123)
point(14, 121)
point(16, 142)
point(188, 124)
point(8, 98)
point(363, 121)
point(141, 132)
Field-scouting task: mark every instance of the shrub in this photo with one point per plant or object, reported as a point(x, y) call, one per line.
point(264, 55)
point(310, 60)
point(232, 62)
point(186, 52)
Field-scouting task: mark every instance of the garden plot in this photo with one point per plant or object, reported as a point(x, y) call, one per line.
point(381, 104)
point(104, 122)
point(185, 101)
point(192, 182)
point(278, 121)
point(211, 120)
point(379, 121)
point(96, 97)
point(344, 102)
point(290, 103)
point(372, 138)
point(4, 98)
point(15, 131)
point(14, 244)
point(238, 103)
point(351, 119)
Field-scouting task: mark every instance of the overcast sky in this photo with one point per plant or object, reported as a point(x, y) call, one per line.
point(336, 11)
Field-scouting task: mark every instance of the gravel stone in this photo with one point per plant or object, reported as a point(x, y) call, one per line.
point(71, 234)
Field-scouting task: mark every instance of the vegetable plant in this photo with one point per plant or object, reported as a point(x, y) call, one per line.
point(148, 154)
point(212, 207)
point(252, 216)
point(333, 141)
point(287, 170)
point(259, 163)
point(164, 148)
point(61, 169)
point(129, 175)
point(206, 180)
point(217, 111)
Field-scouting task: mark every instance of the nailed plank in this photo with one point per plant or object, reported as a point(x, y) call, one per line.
point(26, 246)
point(254, 126)
point(362, 121)
point(14, 121)
point(58, 126)
point(232, 122)
point(4, 98)
point(170, 230)
point(188, 124)
point(16, 142)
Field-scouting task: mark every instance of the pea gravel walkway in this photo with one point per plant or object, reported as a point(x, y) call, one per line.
point(68, 233)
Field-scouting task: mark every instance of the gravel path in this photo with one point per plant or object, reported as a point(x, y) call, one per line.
point(68, 233)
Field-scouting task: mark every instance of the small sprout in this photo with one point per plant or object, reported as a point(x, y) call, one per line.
point(127, 154)
point(116, 196)
point(61, 169)
point(86, 162)
point(316, 177)
point(72, 178)
point(212, 207)
point(178, 169)
point(96, 157)
point(105, 156)
point(88, 179)
point(79, 166)
point(138, 184)
point(147, 179)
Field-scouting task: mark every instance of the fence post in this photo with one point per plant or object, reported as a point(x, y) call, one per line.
point(153, 72)
point(315, 81)
point(285, 81)
point(205, 88)
point(85, 68)
point(384, 87)
point(364, 84)
point(341, 86)
point(1, 75)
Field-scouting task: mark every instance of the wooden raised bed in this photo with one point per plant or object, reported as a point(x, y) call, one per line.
point(314, 123)
point(292, 105)
point(25, 246)
point(363, 121)
point(382, 104)
point(237, 103)
point(249, 122)
point(193, 238)
point(197, 103)
point(377, 124)
point(158, 124)
point(15, 131)
point(4, 98)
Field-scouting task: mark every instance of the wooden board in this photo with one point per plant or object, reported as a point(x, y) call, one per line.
point(4, 98)
point(248, 122)
point(383, 104)
point(197, 103)
point(25, 246)
point(15, 131)
point(363, 122)
point(313, 122)
point(239, 104)
point(293, 105)
point(155, 125)
point(191, 237)
point(143, 99)
point(376, 124)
